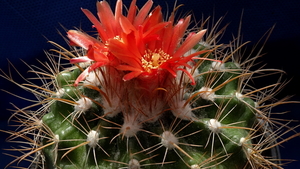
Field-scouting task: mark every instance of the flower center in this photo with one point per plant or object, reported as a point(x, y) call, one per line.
point(153, 59)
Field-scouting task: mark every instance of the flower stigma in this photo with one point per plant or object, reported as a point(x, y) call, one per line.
point(153, 59)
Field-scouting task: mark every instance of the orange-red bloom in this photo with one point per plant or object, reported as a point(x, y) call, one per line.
point(141, 44)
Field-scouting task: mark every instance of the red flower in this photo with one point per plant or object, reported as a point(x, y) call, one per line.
point(141, 44)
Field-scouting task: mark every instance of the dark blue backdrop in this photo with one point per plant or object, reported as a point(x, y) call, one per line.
point(25, 25)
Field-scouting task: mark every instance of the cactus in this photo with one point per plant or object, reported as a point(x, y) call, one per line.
point(149, 93)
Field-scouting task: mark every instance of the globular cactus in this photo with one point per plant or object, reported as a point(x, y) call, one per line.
point(149, 93)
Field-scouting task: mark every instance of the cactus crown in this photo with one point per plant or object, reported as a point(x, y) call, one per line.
point(146, 93)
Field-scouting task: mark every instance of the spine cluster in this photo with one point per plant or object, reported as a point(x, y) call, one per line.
point(141, 97)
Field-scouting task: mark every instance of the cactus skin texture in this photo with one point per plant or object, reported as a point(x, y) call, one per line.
point(144, 98)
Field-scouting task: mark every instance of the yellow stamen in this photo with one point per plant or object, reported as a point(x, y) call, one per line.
point(153, 59)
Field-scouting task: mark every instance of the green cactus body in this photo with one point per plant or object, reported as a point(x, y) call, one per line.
point(88, 139)
point(146, 97)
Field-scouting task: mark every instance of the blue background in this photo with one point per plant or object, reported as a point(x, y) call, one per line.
point(25, 27)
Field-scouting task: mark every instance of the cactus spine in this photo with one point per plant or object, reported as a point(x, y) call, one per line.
point(144, 95)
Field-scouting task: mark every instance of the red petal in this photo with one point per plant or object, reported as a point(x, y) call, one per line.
point(96, 54)
point(139, 19)
point(132, 11)
point(128, 68)
point(81, 77)
point(86, 72)
point(81, 39)
point(80, 59)
point(189, 44)
point(189, 75)
point(120, 51)
point(155, 29)
point(153, 19)
point(131, 75)
point(107, 18)
point(96, 65)
point(126, 25)
point(72, 43)
point(169, 68)
point(167, 37)
point(178, 32)
point(118, 14)
point(96, 23)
